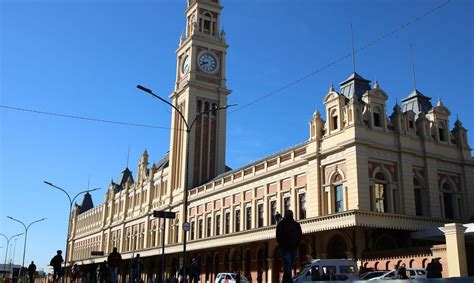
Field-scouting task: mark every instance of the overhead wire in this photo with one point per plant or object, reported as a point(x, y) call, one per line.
point(342, 58)
point(274, 92)
point(84, 118)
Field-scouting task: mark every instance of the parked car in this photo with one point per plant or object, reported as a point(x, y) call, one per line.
point(230, 278)
point(412, 273)
point(336, 269)
point(372, 274)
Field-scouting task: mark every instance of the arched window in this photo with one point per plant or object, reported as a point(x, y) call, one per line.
point(301, 206)
point(380, 191)
point(206, 23)
point(448, 200)
point(418, 189)
point(334, 120)
point(377, 116)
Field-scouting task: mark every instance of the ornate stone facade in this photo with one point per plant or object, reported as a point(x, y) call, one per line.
point(359, 185)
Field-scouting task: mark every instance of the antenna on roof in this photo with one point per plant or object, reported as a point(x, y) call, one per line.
point(413, 67)
point(353, 52)
point(128, 154)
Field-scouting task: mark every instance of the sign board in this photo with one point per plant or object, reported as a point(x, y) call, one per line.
point(164, 214)
point(97, 253)
point(186, 226)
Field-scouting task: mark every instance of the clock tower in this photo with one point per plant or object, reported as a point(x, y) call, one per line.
point(200, 87)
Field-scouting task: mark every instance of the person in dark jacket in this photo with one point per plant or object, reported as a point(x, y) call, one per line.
point(56, 262)
point(402, 272)
point(31, 271)
point(194, 271)
point(437, 268)
point(288, 234)
point(114, 259)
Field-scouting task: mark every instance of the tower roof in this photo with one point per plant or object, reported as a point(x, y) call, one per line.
point(417, 102)
point(124, 177)
point(354, 85)
point(86, 203)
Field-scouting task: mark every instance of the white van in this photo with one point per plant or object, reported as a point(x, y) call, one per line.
point(335, 269)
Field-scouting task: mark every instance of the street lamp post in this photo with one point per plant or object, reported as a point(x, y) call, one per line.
point(6, 249)
point(26, 237)
point(71, 203)
point(188, 132)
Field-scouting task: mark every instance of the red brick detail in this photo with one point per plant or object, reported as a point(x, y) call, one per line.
point(272, 188)
point(209, 207)
point(372, 165)
point(217, 204)
point(200, 209)
point(236, 199)
point(301, 180)
point(192, 211)
point(286, 185)
point(227, 202)
point(248, 196)
point(392, 170)
point(260, 192)
point(441, 177)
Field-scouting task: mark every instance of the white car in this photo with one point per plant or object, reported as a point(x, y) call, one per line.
point(412, 273)
point(372, 274)
point(229, 278)
point(340, 269)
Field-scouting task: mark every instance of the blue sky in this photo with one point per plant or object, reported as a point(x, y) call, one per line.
point(86, 57)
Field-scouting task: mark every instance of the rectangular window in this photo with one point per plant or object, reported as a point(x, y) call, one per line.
point(287, 203)
point(377, 120)
point(380, 201)
point(248, 222)
point(237, 221)
point(209, 226)
point(200, 229)
point(193, 226)
point(418, 202)
point(339, 196)
point(334, 122)
point(441, 134)
point(410, 124)
point(260, 214)
point(273, 209)
point(218, 225)
point(302, 206)
point(227, 222)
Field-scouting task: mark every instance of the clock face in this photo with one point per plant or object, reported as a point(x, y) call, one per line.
point(207, 62)
point(186, 64)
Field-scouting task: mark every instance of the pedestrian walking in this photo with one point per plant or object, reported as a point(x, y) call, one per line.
point(136, 268)
point(114, 259)
point(402, 272)
point(102, 272)
point(31, 271)
point(437, 268)
point(74, 272)
point(288, 234)
point(194, 271)
point(56, 262)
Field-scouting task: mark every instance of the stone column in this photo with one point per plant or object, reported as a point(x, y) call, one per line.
point(455, 249)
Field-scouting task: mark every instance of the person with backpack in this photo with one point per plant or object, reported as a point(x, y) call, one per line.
point(56, 262)
point(289, 235)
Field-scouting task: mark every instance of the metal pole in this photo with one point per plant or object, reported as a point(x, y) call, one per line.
point(71, 203)
point(8, 242)
point(186, 202)
point(163, 250)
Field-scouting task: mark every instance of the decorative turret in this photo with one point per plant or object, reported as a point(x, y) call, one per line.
point(316, 126)
point(375, 106)
point(460, 134)
point(86, 204)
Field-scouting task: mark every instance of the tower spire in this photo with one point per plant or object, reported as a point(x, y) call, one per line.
point(413, 67)
point(128, 154)
point(353, 52)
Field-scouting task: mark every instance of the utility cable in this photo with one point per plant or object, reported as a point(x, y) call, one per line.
point(83, 118)
point(376, 40)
